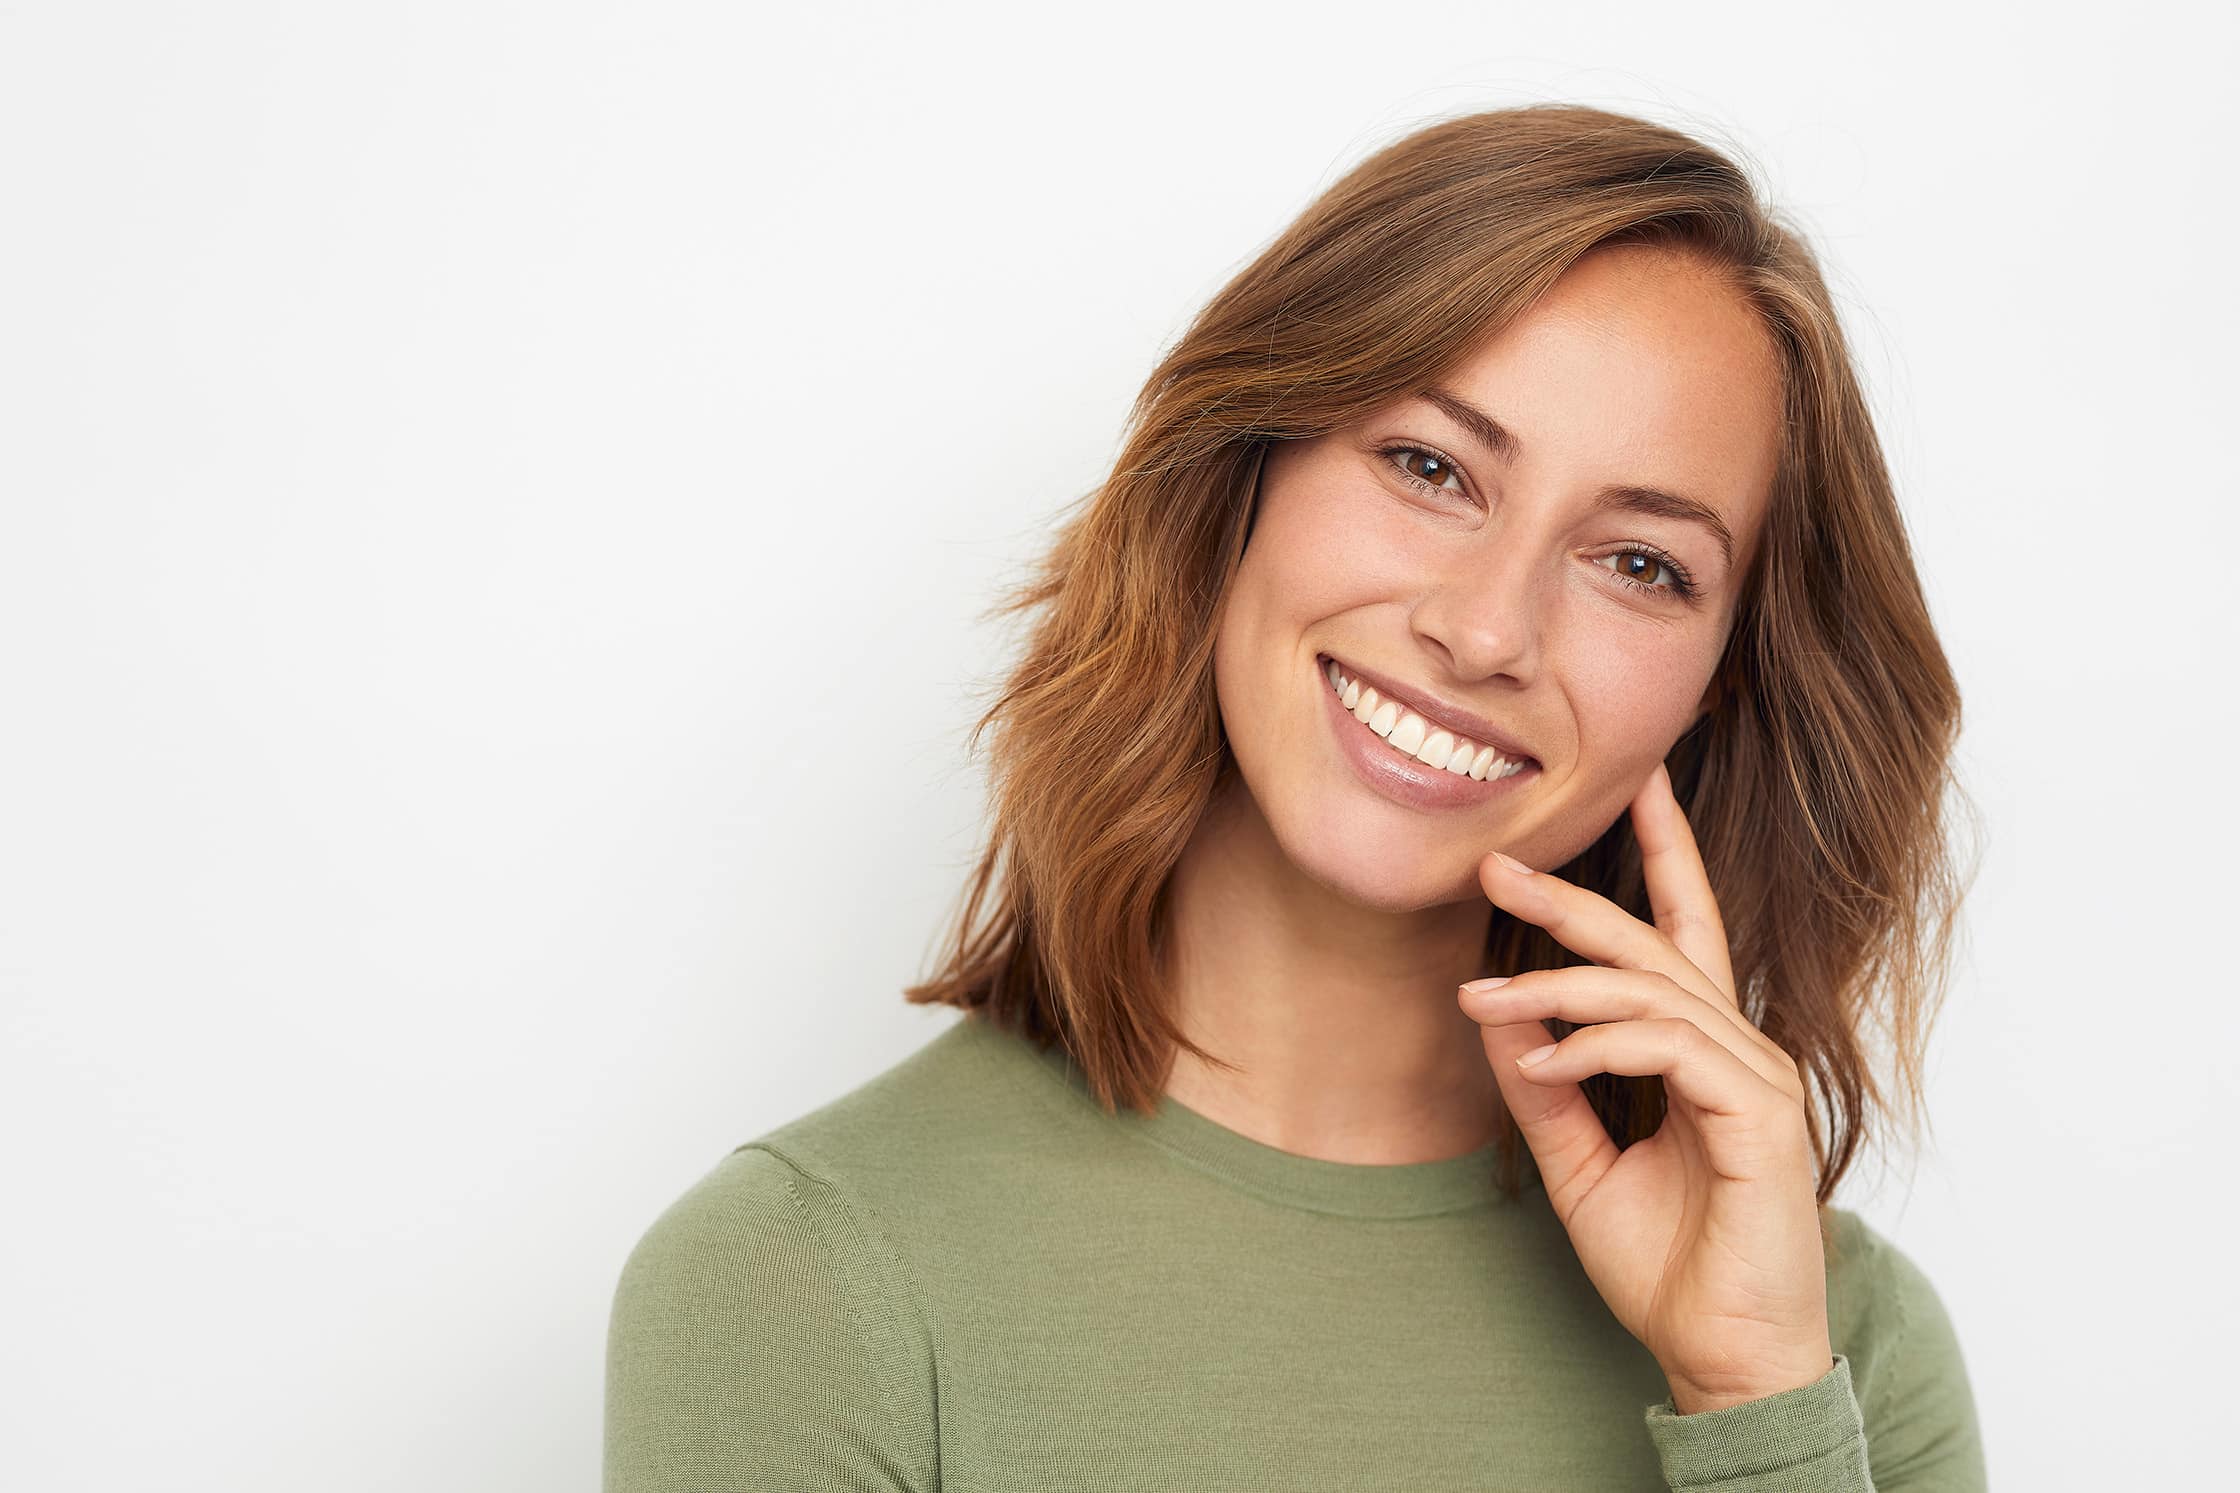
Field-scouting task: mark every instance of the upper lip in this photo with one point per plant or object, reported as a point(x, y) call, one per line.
point(1438, 710)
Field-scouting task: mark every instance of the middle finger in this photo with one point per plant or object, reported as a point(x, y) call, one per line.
point(1591, 994)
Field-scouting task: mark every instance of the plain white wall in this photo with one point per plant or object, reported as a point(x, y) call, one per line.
point(498, 502)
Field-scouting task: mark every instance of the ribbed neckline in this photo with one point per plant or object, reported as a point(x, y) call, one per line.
point(1405, 1190)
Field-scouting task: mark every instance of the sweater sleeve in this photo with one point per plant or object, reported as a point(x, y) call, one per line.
point(1897, 1394)
point(759, 1338)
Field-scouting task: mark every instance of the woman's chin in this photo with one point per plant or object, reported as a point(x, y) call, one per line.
point(1398, 879)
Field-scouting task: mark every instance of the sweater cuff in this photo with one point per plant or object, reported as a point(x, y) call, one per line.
point(1811, 1437)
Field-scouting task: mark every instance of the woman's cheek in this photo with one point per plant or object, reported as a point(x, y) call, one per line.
point(1635, 688)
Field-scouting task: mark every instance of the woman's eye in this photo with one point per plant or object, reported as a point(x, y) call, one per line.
point(1632, 565)
point(1426, 468)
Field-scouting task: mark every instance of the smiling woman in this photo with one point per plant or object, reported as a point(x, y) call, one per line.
point(1499, 615)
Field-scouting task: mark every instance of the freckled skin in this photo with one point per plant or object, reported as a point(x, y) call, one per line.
point(1636, 367)
point(1319, 929)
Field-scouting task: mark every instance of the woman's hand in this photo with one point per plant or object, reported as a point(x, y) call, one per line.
point(1704, 1239)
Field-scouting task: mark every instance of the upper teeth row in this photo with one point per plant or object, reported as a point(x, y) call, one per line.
point(1406, 731)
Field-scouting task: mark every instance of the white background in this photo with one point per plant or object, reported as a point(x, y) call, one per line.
point(498, 500)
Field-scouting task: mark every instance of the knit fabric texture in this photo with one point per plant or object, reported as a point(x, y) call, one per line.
point(966, 1275)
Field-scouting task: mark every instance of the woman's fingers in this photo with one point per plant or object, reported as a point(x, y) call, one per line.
point(1593, 995)
point(1749, 1126)
point(1569, 1144)
point(1679, 883)
point(1689, 944)
point(1588, 923)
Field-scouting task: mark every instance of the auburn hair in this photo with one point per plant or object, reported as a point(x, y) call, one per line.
point(1816, 786)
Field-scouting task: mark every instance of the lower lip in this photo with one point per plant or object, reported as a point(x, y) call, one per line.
point(1404, 779)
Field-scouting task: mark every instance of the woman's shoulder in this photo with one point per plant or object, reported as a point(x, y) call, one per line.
point(842, 1182)
point(761, 1334)
point(947, 1078)
point(1876, 1289)
point(1907, 1368)
point(769, 1323)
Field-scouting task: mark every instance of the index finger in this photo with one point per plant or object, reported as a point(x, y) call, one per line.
point(1679, 883)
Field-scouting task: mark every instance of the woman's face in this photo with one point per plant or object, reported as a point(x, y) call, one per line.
point(1504, 583)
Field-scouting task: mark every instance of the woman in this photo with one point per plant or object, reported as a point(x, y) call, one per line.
point(1517, 508)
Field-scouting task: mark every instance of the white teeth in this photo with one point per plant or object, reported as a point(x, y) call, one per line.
point(1408, 732)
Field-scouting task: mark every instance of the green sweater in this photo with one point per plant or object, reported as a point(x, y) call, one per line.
point(965, 1275)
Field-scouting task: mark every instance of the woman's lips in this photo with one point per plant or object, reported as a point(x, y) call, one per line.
point(1438, 715)
point(1403, 779)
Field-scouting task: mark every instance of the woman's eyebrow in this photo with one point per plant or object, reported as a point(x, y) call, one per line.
point(1658, 503)
point(1484, 429)
point(1626, 496)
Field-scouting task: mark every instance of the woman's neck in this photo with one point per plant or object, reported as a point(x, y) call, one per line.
point(1341, 1018)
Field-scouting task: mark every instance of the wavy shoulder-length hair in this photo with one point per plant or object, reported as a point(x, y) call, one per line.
point(1816, 785)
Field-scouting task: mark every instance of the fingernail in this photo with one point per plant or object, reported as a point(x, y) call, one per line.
point(1534, 1056)
point(1480, 987)
point(1513, 863)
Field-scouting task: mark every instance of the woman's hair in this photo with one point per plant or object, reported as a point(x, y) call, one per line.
point(1815, 785)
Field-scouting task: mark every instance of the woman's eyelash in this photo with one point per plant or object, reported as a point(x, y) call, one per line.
point(1399, 447)
point(1683, 584)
